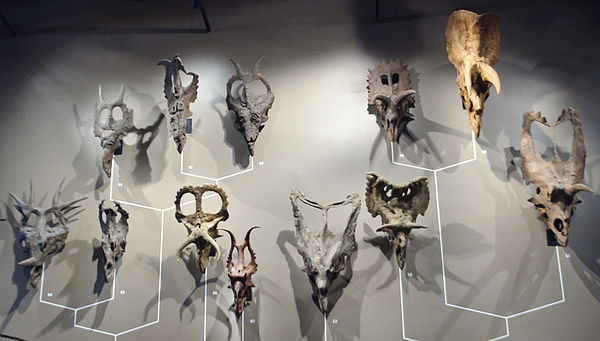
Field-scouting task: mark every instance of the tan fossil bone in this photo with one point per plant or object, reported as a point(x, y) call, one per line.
point(556, 182)
point(111, 131)
point(179, 98)
point(44, 230)
point(390, 97)
point(114, 235)
point(473, 44)
point(324, 253)
point(251, 110)
point(240, 274)
point(398, 206)
point(201, 227)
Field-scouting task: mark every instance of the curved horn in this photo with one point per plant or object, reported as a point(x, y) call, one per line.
point(577, 188)
point(57, 194)
point(212, 242)
point(31, 261)
point(250, 249)
point(488, 74)
point(256, 72)
point(187, 241)
point(121, 94)
point(405, 93)
point(238, 68)
point(233, 244)
point(100, 94)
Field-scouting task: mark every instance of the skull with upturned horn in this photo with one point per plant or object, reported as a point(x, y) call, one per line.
point(43, 231)
point(201, 227)
point(473, 43)
point(556, 182)
point(114, 235)
point(251, 110)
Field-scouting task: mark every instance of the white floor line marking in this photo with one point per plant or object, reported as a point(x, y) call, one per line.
point(324, 326)
point(402, 306)
point(217, 179)
point(505, 335)
point(205, 298)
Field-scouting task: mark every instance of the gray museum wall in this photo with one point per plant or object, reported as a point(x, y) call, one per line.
point(471, 281)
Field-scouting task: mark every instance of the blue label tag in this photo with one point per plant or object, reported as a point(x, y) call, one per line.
point(188, 126)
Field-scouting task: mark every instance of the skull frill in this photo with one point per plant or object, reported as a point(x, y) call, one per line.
point(398, 206)
point(390, 97)
point(178, 98)
point(556, 182)
point(114, 235)
point(43, 231)
point(324, 253)
point(251, 110)
point(472, 44)
point(240, 274)
point(201, 227)
point(111, 131)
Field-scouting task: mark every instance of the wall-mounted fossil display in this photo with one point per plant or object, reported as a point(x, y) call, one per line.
point(251, 110)
point(398, 206)
point(114, 235)
point(390, 97)
point(179, 98)
point(44, 231)
point(324, 253)
point(556, 182)
point(110, 131)
point(240, 274)
point(473, 44)
point(201, 227)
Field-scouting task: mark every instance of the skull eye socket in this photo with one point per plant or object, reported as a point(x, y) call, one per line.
point(395, 78)
point(117, 113)
point(558, 224)
point(384, 80)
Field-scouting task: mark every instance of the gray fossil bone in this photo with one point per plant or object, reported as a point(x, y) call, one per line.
point(390, 97)
point(114, 235)
point(201, 226)
point(44, 230)
point(110, 131)
point(398, 206)
point(324, 253)
point(556, 182)
point(473, 44)
point(179, 98)
point(251, 110)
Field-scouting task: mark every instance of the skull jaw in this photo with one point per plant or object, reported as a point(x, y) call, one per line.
point(180, 142)
point(475, 121)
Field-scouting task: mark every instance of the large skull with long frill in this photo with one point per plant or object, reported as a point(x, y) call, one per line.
point(114, 235)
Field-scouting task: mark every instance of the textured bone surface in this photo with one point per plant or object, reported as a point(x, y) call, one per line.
point(114, 235)
point(473, 43)
point(390, 97)
point(324, 253)
point(240, 274)
point(179, 98)
point(201, 227)
point(556, 182)
point(44, 231)
point(398, 206)
point(111, 131)
point(251, 110)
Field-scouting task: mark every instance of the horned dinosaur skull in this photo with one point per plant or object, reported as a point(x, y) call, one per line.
point(111, 130)
point(556, 182)
point(390, 97)
point(43, 231)
point(201, 227)
point(398, 206)
point(251, 110)
point(239, 273)
point(324, 253)
point(114, 235)
point(179, 98)
point(473, 43)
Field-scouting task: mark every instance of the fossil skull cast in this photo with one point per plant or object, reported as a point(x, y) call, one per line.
point(556, 182)
point(44, 231)
point(251, 110)
point(324, 253)
point(179, 98)
point(390, 97)
point(114, 235)
point(110, 131)
point(201, 227)
point(239, 273)
point(398, 206)
point(473, 43)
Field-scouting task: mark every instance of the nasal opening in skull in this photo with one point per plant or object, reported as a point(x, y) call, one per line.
point(558, 224)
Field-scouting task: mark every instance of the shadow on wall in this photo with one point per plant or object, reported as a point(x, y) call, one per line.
point(233, 137)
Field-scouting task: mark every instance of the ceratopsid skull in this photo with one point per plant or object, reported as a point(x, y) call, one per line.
point(179, 98)
point(556, 182)
point(251, 110)
point(324, 253)
point(111, 130)
point(114, 235)
point(398, 206)
point(239, 273)
point(473, 43)
point(44, 231)
point(201, 227)
point(390, 97)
